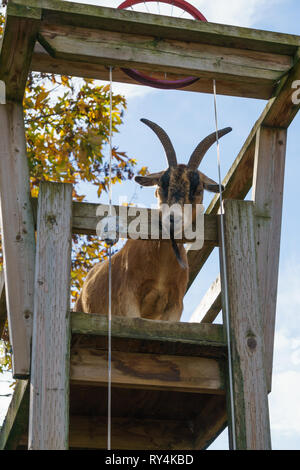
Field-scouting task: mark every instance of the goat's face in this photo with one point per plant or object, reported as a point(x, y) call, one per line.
point(181, 184)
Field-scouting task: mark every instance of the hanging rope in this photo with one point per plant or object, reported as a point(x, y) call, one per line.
point(225, 281)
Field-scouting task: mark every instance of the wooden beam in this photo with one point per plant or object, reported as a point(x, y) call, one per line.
point(142, 335)
point(268, 182)
point(112, 19)
point(138, 434)
point(284, 109)
point(43, 62)
point(49, 397)
point(163, 55)
point(250, 394)
point(85, 220)
point(20, 33)
point(3, 312)
point(210, 422)
point(280, 111)
point(88, 432)
point(2, 92)
point(210, 305)
point(17, 234)
point(141, 328)
point(16, 420)
point(147, 371)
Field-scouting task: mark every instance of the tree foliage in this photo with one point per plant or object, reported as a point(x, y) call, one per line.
point(67, 122)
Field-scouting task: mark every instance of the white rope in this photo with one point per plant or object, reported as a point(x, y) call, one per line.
point(109, 274)
point(225, 281)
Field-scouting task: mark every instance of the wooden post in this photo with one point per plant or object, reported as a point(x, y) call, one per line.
point(268, 182)
point(249, 382)
point(49, 388)
point(17, 233)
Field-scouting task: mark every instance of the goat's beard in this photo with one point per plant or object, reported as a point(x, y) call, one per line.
point(175, 246)
point(177, 253)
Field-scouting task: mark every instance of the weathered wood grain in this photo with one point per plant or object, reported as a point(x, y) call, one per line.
point(3, 312)
point(49, 399)
point(250, 395)
point(43, 62)
point(18, 42)
point(268, 179)
point(159, 54)
point(16, 420)
point(140, 328)
point(2, 92)
point(98, 17)
point(147, 371)
point(137, 434)
point(86, 217)
point(17, 234)
point(210, 422)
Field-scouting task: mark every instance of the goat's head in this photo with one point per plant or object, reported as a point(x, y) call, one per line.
point(181, 184)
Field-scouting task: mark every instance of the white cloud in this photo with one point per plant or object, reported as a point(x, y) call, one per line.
point(284, 404)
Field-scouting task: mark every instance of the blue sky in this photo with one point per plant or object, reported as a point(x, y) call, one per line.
point(188, 117)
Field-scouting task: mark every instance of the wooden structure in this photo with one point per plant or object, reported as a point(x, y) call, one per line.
point(169, 380)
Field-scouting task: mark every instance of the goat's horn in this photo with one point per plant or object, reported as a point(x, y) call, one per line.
point(204, 145)
point(165, 140)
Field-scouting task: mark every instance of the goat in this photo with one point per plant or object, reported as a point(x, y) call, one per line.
point(147, 279)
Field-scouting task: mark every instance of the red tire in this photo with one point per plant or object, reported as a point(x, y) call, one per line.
point(155, 82)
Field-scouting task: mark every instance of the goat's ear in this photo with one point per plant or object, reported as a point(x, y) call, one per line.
point(149, 180)
point(209, 184)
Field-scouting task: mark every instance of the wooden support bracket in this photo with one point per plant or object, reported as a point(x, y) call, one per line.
point(18, 234)
point(268, 179)
point(250, 394)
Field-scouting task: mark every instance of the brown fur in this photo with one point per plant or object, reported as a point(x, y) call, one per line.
point(147, 280)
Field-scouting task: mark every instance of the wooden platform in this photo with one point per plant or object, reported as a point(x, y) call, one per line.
point(168, 386)
point(82, 40)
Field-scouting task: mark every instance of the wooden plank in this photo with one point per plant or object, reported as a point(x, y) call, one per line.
point(17, 234)
point(210, 422)
point(17, 45)
point(268, 182)
point(250, 395)
point(85, 220)
point(147, 371)
point(210, 305)
point(279, 111)
point(164, 55)
point(284, 109)
point(49, 400)
point(43, 62)
point(98, 17)
point(3, 312)
point(147, 434)
point(90, 432)
point(154, 330)
point(16, 419)
point(2, 92)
